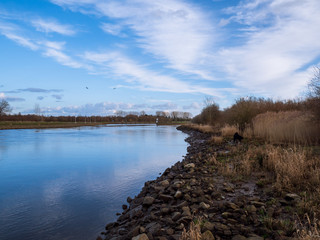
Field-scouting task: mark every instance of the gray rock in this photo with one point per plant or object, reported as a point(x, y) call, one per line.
point(190, 165)
point(207, 235)
point(178, 194)
point(208, 226)
point(204, 206)
point(141, 237)
point(165, 198)
point(147, 201)
point(292, 197)
point(251, 208)
point(238, 237)
point(186, 211)
point(176, 216)
point(165, 183)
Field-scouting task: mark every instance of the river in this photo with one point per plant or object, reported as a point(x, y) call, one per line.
point(69, 183)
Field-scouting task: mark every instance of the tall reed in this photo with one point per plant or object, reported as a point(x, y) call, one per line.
point(286, 127)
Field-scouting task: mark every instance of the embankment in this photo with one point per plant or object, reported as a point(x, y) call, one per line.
point(192, 189)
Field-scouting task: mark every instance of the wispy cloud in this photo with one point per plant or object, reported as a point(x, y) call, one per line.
point(142, 77)
point(53, 26)
point(114, 29)
point(178, 33)
point(11, 32)
point(57, 96)
point(40, 90)
point(11, 99)
point(275, 58)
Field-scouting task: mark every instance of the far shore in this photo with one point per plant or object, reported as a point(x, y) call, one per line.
point(7, 125)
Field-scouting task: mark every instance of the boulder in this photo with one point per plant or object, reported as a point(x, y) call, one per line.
point(141, 237)
point(147, 201)
point(207, 235)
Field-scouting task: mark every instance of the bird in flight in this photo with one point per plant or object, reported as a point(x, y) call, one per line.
point(87, 88)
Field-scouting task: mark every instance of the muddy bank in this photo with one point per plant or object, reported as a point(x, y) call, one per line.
point(193, 188)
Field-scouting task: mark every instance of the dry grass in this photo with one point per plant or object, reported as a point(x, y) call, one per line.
point(201, 128)
point(286, 127)
point(216, 139)
point(228, 131)
point(194, 232)
point(309, 230)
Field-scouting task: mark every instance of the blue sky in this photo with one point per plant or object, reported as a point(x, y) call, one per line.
point(84, 57)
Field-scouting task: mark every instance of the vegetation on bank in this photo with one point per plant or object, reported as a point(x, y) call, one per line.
point(18, 121)
point(281, 150)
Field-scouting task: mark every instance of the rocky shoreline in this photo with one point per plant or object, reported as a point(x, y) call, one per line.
point(193, 188)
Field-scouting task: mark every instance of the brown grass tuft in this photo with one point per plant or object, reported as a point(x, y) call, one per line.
point(194, 232)
point(228, 131)
point(201, 128)
point(216, 139)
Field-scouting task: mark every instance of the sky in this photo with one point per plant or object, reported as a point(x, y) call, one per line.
point(96, 57)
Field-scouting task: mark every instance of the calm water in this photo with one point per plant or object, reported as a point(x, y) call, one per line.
point(68, 183)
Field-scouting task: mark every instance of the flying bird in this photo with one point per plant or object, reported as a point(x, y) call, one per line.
point(87, 88)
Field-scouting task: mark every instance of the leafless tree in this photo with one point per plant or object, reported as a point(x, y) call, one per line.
point(4, 107)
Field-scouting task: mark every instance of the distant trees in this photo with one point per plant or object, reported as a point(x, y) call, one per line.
point(314, 93)
point(210, 114)
point(4, 107)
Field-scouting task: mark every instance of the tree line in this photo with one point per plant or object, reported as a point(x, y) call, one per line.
point(161, 117)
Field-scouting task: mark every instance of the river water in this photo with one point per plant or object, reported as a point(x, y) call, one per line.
point(69, 183)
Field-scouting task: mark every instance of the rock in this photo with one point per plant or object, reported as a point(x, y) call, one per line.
point(164, 210)
point(207, 235)
point(178, 194)
point(186, 211)
point(177, 185)
point(226, 215)
point(129, 199)
point(147, 201)
point(124, 207)
point(251, 208)
point(176, 216)
point(255, 237)
point(190, 165)
point(258, 204)
point(122, 231)
point(141, 237)
point(165, 198)
point(142, 230)
point(232, 206)
point(238, 237)
point(208, 226)
point(220, 227)
point(170, 231)
point(204, 206)
point(165, 183)
point(292, 197)
point(153, 228)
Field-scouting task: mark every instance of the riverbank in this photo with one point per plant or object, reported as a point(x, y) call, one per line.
point(200, 189)
point(5, 125)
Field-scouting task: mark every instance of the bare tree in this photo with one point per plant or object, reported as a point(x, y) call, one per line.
point(314, 84)
point(314, 93)
point(4, 107)
point(37, 109)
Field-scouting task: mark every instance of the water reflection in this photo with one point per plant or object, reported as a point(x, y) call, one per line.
point(68, 183)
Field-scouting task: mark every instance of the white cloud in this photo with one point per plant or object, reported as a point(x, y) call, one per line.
point(173, 31)
point(274, 59)
point(48, 26)
point(142, 77)
point(112, 29)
